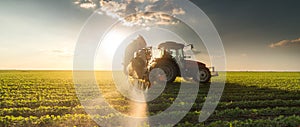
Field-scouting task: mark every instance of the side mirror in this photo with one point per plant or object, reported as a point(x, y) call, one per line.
point(192, 46)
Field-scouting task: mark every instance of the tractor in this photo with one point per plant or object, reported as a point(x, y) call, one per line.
point(172, 60)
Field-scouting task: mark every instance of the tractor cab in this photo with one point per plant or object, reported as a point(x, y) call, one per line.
point(173, 50)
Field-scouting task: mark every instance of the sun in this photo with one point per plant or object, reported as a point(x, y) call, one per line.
point(108, 47)
point(111, 42)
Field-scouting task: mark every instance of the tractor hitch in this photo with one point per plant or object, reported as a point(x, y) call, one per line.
point(213, 72)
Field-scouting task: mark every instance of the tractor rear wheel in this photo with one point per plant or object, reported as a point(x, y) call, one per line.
point(203, 75)
point(170, 69)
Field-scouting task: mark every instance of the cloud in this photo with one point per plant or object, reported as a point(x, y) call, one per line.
point(137, 12)
point(62, 52)
point(149, 19)
point(284, 43)
point(58, 52)
point(296, 40)
point(85, 3)
point(178, 11)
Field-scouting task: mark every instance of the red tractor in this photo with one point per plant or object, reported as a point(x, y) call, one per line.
point(172, 60)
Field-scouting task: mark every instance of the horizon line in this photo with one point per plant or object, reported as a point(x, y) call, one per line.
point(122, 70)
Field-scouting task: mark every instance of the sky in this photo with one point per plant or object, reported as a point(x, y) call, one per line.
point(257, 35)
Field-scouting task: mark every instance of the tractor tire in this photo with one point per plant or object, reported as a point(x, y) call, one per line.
point(170, 69)
point(203, 75)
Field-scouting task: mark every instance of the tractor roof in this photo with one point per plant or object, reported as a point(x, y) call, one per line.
point(171, 45)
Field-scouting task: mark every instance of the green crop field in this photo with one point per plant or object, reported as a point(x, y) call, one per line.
point(48, 98)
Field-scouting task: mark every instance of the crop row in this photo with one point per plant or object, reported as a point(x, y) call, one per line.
point(37, 103)
point(54, 109)
point(280, 121)
point(156, 107)
point(86, 120)
point(58, 110)
point(60, 120)
point(238, 97)
point(47, 120)
point(243, 114)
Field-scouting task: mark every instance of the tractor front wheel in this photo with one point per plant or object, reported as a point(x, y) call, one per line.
point(203, 75)
point(170, 70)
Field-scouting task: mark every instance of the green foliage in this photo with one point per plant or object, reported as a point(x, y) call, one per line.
point(48, 98)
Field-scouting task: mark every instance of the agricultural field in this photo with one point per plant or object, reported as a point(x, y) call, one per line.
point(48, 98)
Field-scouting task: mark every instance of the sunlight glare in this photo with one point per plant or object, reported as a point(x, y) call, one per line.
point(111, 42)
